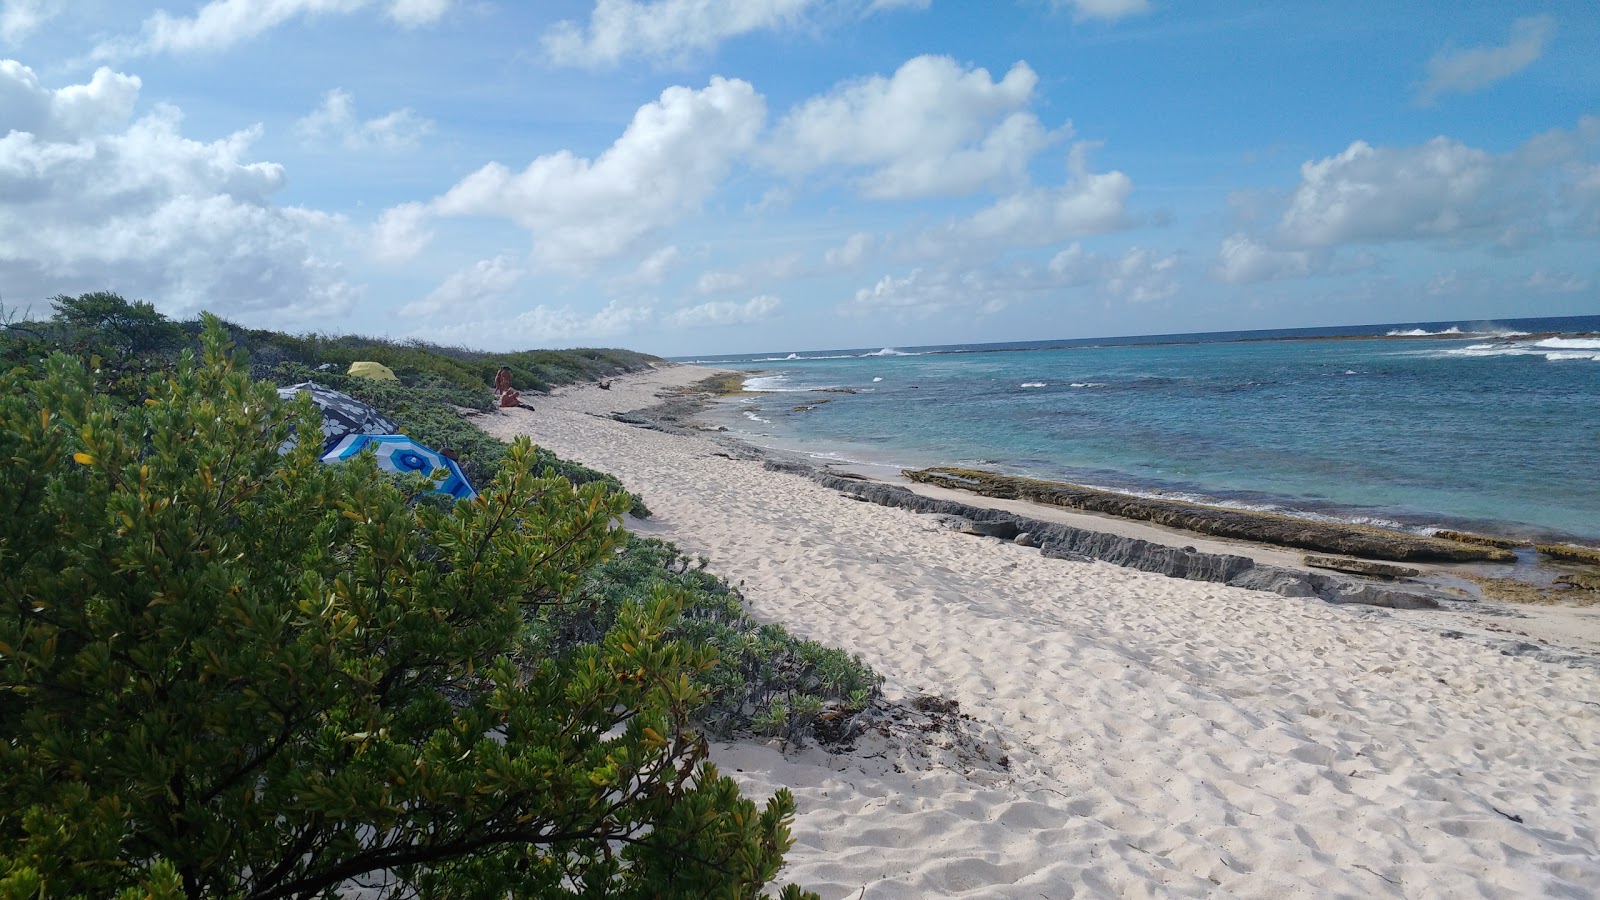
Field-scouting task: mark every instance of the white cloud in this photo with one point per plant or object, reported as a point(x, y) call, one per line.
point(90, 201)
point(221, 24)
point(1464, 71)
point(673, 155)
point(655, 267)
point(18, 18)
point(880, 5)
point(851, 253)
point(1243, 260)
point(1376, 194)
point(400, 233)
point(1142, 275)
point(933, 128)
point(1557, 282)
point(664, 30)
point(721, 282)
point(1139, 275)
point(1448, 193)
point(1109, 10)
point(104, 104)
point(546, 326)
point(469, 289)
point(1086, 203)
point(781, 267)
point(923, 293)
point(416, 13)
point(335, 120)
point(726, 312)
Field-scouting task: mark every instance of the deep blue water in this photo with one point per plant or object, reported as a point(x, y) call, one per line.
point(1494, 431)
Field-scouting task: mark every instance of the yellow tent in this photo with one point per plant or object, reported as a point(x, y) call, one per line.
point(372, 370)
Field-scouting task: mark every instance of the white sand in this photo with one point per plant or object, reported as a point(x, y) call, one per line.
point(1161, 737)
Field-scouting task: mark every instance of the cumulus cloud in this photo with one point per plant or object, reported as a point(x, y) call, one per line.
point(1243, 260)
point(1444, 190)
point(18, 18)
point(90, 200)
point(1453, 71)
point(546, 326)
point(766, 270)
point(1139, 275)
point(400, 233)
point(727, 312)
point(1086, 203)
point(1557, 282)
point(851, 253)
point(470, 289)
point(665, 30)
point(222, 24)
point(655, 267)
point(1373, 194)
point(1108, 10)
point(335, 121)
point(674, 153)
point(932, 128)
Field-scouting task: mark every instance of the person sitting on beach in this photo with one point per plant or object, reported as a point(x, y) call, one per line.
point(502, 388)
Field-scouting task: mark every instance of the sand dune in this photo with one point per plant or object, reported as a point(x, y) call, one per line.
point(1130, 735)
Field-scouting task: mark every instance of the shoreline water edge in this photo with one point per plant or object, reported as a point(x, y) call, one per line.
point(1404, 428)
point(1076, 727)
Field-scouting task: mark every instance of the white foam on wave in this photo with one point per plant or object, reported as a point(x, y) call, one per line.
point(1553, 349)
point(1569, 343)
point(890, 351)
point(795, 357)
point(1035, 384)
point(780, 384)
point(1418, 332)
point(750, 414)
point(877, 378)
point(1087, 384)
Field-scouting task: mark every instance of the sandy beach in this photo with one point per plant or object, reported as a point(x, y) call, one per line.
point(1122, 734)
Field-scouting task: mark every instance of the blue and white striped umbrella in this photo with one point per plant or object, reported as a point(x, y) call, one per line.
point(399, 453)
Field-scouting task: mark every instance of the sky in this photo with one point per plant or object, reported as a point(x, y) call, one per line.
point(698, 177)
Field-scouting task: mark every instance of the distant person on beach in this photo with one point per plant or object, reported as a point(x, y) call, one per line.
point(502, 388)
point(605, 385)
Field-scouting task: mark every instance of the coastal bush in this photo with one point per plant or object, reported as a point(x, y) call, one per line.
point(229, 672)
point(425, 409)
point(767, 681)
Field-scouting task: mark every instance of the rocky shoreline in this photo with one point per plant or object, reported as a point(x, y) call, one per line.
point(1350, 578)
point(1249, 525)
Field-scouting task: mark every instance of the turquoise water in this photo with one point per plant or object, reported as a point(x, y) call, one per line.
point(1493, 431)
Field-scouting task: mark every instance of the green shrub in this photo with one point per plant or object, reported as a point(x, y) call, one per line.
point(425, 410)
point(226, 672)
point(767, 681)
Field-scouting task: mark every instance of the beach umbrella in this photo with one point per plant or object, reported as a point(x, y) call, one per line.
point(342, 414)
point(399, 453)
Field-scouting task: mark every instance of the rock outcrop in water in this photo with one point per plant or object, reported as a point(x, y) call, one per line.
point(1360, 566)
point(1249, 525)
point(1570, 553)
point(1066, 542)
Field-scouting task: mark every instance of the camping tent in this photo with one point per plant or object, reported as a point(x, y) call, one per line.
point(342, 414)
point(399, 453)
point(374, 370)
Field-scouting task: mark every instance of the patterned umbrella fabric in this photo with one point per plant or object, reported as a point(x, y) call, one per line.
point(399, 453)
point(342, 414)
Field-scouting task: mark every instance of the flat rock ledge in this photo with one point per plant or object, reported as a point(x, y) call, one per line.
point(1249, 525)
point(1058, 541)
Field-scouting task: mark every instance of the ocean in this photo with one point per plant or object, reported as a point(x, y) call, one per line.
point(1484, 426)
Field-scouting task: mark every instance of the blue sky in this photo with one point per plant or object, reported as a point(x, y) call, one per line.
point(706, 176)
